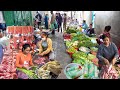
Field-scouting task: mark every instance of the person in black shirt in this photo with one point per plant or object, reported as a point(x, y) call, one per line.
point(38, 18)
point(90, 31)
point(59, 22)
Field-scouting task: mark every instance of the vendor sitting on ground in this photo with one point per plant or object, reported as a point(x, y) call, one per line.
point(45, 46)
point(90, 31)
point(24, 60)
point(84, 26)
point(107, 52)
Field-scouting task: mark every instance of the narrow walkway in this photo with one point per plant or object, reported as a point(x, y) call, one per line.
point(60, 52)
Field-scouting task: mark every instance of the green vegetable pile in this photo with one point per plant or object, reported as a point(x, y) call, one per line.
point(68, 44)
point(80, 37)
point(30, 73)
point(82, 58)
point(91, 56)
point(79, 55)
point(71, 30)
point(80, 61)
point(73, 34)
point(94, 49)
point(71, 50)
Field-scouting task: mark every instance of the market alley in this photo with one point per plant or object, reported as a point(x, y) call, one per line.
point(60, 53)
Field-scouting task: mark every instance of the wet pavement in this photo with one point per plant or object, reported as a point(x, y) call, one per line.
point(60, 52)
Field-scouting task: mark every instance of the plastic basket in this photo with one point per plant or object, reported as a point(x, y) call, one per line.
point(70, 65)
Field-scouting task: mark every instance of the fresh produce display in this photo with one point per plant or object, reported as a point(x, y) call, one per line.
point(73, 35)
point(72, 43)
point(91, 56)
point(84, 49)
point(30, 73)
point(94, 49)
point(85, 53)
point(53, 66)
point(75, 43)
point(49, 70)
point(71, 50)
point(43, 74)
point(87, 44)
point(78, 55)
point(71, 30)
point(67, 36)
point(80, 61)
point(68, 44)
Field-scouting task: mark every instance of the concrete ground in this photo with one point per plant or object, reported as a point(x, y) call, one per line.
point(60, 53)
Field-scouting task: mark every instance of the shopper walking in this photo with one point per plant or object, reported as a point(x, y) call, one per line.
point(46, 19)
point(59, 22)
point(53, 19)
point(38, 18)
point(64, 21)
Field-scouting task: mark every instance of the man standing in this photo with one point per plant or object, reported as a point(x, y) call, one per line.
point(46, 19)
point(64, 21)
point(38, 18)
point(52, 22)
point(59, 22)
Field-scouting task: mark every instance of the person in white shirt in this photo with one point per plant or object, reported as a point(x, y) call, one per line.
point(76, 22)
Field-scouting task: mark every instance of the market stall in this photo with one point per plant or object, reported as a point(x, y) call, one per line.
point(16, 37)
point(82, 49)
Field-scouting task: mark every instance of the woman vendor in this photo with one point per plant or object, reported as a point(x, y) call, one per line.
point(24, 60)
point(107, 52)
point(45, 46)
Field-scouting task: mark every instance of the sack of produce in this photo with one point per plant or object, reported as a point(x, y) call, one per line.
point(53, 66)
point(73, 71)
point(43, 74)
